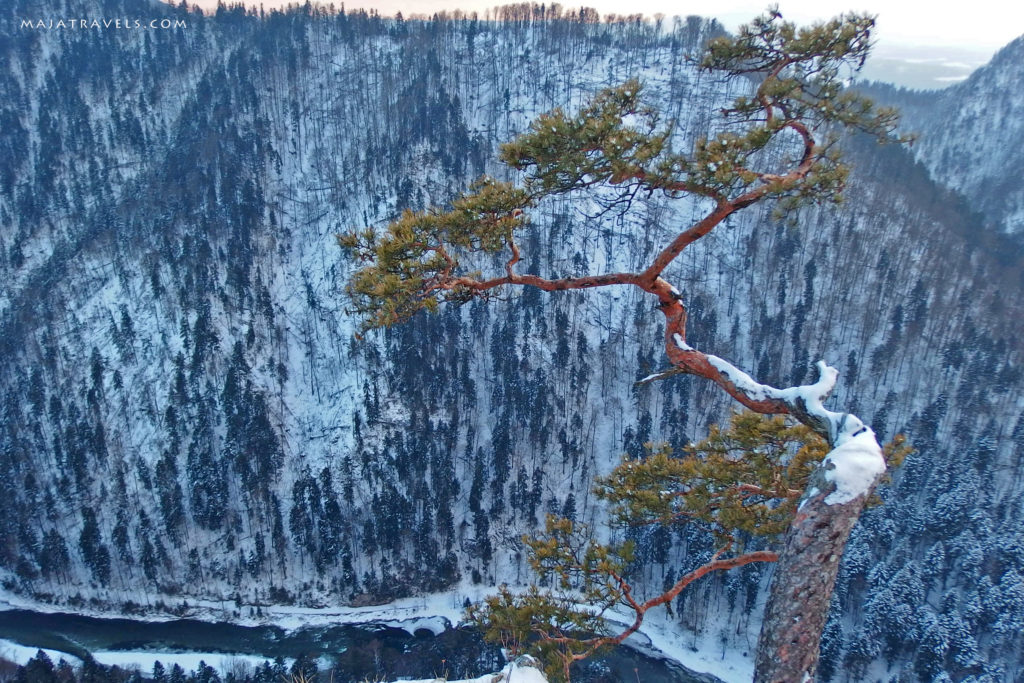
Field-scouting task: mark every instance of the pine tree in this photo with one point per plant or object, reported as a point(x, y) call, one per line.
point(778, 143)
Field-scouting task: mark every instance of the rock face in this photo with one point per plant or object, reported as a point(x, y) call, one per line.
point(188, 416)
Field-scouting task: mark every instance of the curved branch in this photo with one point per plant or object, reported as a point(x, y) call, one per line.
point(641, 609)
point(768, 105)
point(548, 285)
point(514, 259)
point(805, 403)
point(684, 239)
point(724, 208)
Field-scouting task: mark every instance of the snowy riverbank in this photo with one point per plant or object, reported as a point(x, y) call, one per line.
point(435, 613)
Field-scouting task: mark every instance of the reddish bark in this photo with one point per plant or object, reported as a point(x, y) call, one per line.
point(798, 605)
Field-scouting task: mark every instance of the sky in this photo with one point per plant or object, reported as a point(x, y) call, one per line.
point(935, 42)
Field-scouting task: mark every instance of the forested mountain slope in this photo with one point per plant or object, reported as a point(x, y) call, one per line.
point(187, 414)
point(970, 133)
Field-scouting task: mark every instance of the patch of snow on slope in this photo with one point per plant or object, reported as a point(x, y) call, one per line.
point(189, 661)
point(521, 671)
point(20, 654)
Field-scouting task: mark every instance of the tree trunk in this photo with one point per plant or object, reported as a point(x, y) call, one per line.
point(801, 589)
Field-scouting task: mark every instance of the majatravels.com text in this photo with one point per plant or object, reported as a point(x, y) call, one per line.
point(50, 24)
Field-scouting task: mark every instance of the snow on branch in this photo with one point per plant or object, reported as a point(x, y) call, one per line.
point(855, 462)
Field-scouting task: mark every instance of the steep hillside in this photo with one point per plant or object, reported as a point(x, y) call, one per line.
point(187, 414)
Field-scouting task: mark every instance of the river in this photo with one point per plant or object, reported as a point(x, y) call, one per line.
point(354, 652)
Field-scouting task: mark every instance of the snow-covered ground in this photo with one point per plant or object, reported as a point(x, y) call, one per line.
point(517, 672)
point(20, 654)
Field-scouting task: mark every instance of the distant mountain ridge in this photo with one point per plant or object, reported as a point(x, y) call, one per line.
point(970, 134)
point(922, 67)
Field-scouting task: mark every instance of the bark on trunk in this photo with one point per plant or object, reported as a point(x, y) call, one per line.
point(801, 590)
